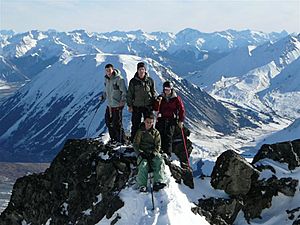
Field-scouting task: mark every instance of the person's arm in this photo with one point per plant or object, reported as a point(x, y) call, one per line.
point(123, 90)
point(102, 97)
point(152, 89)
point(180, 109)
point(130, 94)
point(157, 142)
point(137, 141)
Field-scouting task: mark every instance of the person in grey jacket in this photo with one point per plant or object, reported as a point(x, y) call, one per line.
point(115, 93)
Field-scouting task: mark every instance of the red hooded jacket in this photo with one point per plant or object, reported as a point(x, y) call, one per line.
point(170, 107)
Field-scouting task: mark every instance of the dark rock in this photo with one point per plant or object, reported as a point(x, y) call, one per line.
point(69, 187)
point(233, 174)
point(284, 152)
point(297, 221)
point(291, 213)
point(81, 186)
point(218, 211)
point(181, 174)
point(240, 180)
point(261, 193)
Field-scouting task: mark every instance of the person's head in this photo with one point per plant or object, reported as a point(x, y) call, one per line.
point(109, 69)
point(149, 120)
point(167, 88)
point(141, 69)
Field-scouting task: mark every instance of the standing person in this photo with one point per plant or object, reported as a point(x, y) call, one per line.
point(115, 93)
point(140, 97)
point(147, 146)
point(170, 112)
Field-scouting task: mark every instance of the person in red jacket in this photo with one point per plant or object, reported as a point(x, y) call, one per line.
point(170, 111)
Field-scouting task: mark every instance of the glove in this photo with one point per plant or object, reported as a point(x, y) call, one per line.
point(122, 103)
point(180, 125)
point(147, 156)
point(159, 98)
point(101, 98)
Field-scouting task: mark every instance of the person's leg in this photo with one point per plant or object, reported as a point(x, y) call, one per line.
point(136, 121)
point(160, 126)
point(117, 125)
point(158, 166)
point(142, 176)
point(168, 137)
point(108, 122)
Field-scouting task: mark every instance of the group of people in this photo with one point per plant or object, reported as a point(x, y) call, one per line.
point(149, 141)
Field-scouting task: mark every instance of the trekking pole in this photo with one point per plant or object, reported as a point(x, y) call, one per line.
point(88, 129)
point(185, 148)
point(158, 108)
point(151, 184)
point(120, 120)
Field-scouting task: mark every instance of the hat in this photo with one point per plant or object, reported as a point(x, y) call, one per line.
point(141, 64)
point(149, 115)
point(168, 84)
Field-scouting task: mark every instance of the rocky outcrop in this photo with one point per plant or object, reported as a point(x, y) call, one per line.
point(218, 211)
point(284, 152)
point(233, 174)
point(81, 186)
point(248, 192)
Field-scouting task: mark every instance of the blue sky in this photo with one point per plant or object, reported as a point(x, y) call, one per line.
point(168, 15)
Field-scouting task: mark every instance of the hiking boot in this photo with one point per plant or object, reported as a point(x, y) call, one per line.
point(143, 189)
point(112, 142)
point(157, 186)
point(165, 156)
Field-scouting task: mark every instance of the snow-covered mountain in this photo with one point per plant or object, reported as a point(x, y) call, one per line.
point(39, 49)
point(262, 77)
point(289, 133)
point(60, 103)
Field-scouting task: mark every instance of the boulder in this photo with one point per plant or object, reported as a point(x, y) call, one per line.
point(233, 174)
point(218, 211)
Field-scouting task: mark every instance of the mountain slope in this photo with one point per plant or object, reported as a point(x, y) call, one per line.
point(60, 103)
point(257, 78)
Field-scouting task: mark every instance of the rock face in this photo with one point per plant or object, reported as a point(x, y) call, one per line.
point(218, 211)
point(249, 193)
point(284, 152)
point(233, 174)
point(81, 186)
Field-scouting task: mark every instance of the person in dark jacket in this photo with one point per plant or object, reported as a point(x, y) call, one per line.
point(140, 97)
point(115, 93)
point(171, 113)
point(147, 145)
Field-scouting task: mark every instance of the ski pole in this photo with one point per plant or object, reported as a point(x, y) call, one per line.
point(151, 185)
point(88, 129)
point(185, 148)
point(120, 121)
point(158, 108)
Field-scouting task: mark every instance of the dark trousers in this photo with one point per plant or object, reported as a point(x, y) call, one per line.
point(136, 117)
point(166, 128)
point(113, 121)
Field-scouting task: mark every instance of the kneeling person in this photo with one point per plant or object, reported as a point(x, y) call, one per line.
point(147, 145)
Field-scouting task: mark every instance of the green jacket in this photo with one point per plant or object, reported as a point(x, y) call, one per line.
point(147, 141)
point(115, 89)
point(141, 92)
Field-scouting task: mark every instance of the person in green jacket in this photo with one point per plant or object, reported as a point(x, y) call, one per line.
point(140, 97)
point(115, 93)
point(147, 145)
